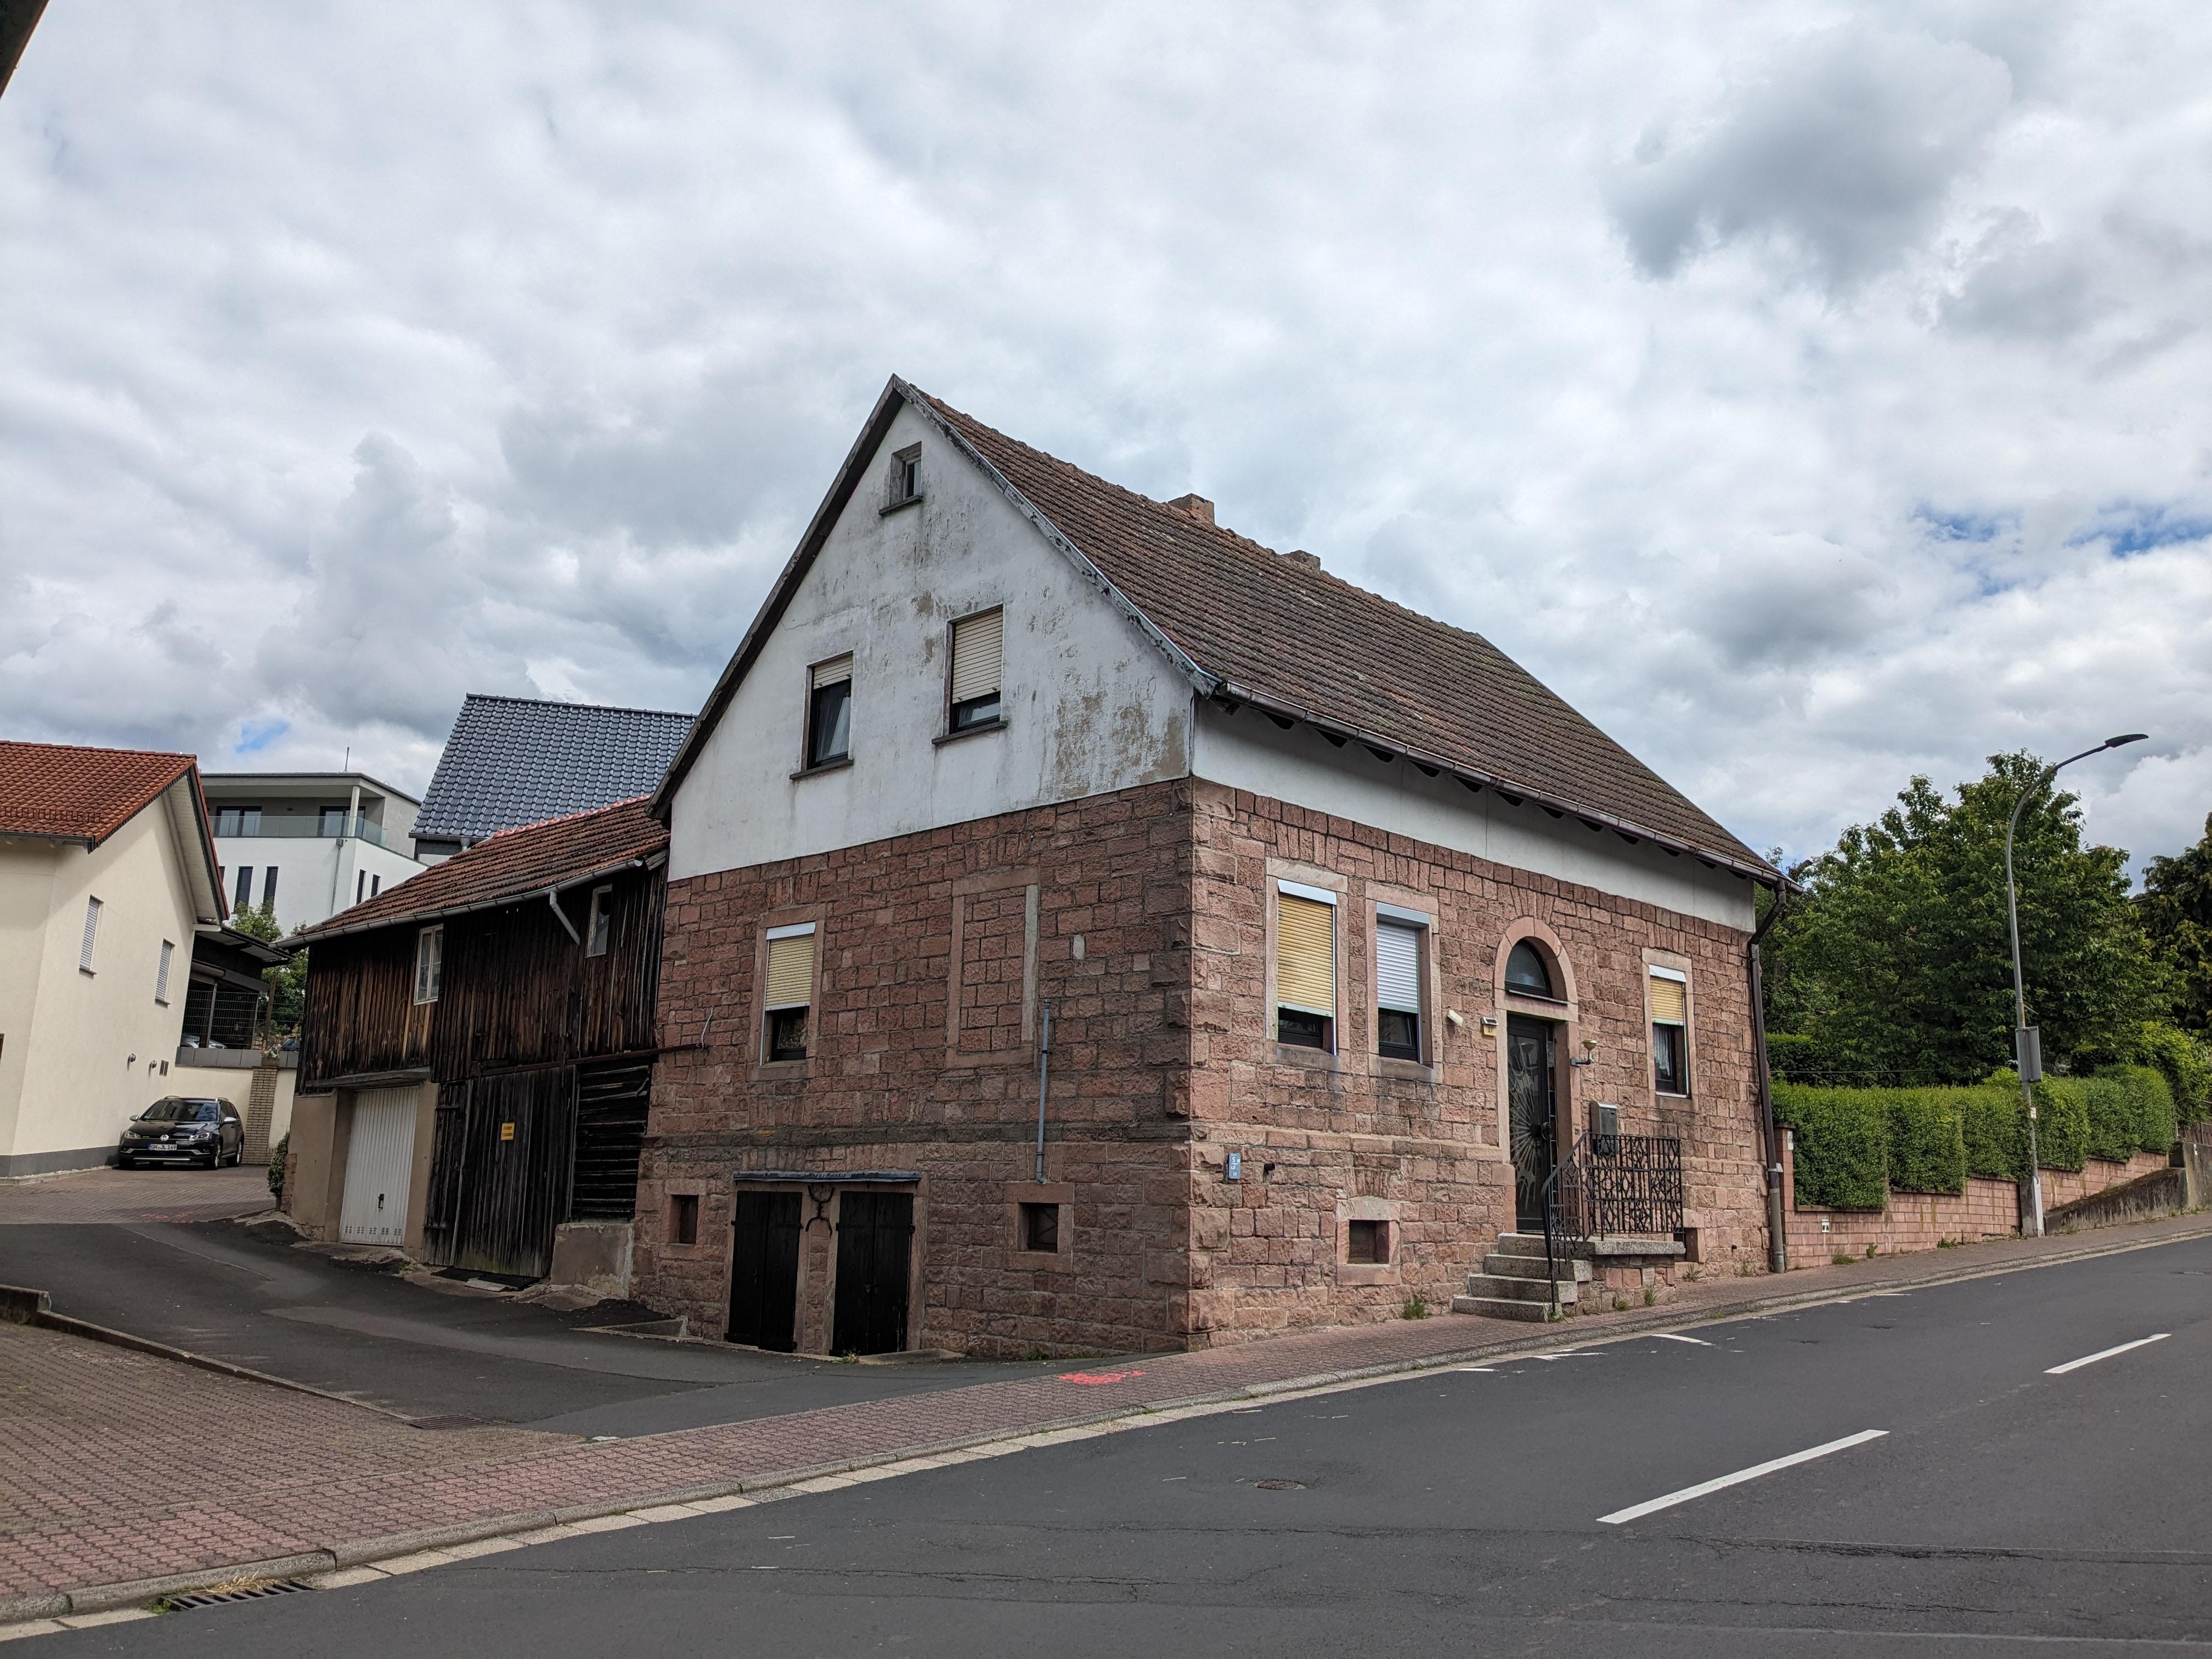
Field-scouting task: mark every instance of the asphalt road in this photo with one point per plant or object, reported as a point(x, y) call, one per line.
point(2002, 1509)
point(244, 1292)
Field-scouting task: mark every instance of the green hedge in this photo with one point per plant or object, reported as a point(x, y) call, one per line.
point(2124, 1109)
point(1996, 1132)
point(1843, 1144)
point(2061, 1123)
point(1927, 1139)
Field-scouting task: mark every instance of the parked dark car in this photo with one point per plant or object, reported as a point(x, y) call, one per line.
point(184, 1130)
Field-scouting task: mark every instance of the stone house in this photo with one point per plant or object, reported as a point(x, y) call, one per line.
point(1090, 930)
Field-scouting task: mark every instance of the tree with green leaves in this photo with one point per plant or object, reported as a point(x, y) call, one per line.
point(288, 985)
point(1893, 965)
point(2176, 907)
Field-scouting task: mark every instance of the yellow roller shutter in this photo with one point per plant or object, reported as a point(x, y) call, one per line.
point(978, 648)
point(1669, 1001)
point(790, 971)
point(1305, 955)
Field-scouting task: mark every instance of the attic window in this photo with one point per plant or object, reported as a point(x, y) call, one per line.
point(905, 481)
point(829, 712)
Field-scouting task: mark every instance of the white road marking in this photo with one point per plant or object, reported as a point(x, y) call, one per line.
point(1637, 1511)
point(2107, 1353)
point(1670, 1336)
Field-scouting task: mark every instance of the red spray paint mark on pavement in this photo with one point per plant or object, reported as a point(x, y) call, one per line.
point(1092, 1379)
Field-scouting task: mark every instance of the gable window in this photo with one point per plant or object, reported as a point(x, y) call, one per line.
point(788, 997)
point(429, 963)
point(601, 923)
point(91, 933)
point(245, 898)
point(1670, 1031)
point(904, 484)
point(1305, 966)
point(829, 712)
point(1527, 975)
point(161, 973)
point(1401, 943)
point(978, 652)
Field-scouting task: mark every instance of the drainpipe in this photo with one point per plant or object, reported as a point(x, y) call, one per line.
point(1778, 1236)
point(553, 899)
point(1044, 1082)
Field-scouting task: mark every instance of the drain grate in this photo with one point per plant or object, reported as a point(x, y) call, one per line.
point(1281, 1485)
point(213, 1598)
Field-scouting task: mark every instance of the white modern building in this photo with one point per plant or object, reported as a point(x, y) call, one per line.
point(316, 842)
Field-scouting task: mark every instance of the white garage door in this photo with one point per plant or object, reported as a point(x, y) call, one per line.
point(379, 1165)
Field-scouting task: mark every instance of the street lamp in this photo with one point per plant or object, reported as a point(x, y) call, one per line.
point(2027, 1040)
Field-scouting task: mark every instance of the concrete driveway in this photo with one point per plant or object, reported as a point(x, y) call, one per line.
point(138, 1252)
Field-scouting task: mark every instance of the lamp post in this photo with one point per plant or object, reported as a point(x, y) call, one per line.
point(2027, 1040)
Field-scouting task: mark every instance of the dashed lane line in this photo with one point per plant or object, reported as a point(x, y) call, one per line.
point(1637, 1511)
point(2105, 1353)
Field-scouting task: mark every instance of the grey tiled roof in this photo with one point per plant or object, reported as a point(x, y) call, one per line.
point(512, 761)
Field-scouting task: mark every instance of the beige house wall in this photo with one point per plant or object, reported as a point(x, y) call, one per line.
point(91, 1045)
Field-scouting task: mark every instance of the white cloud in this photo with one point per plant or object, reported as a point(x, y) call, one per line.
point(1813, 393)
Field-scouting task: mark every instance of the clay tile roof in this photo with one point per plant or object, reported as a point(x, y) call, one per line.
point(513, 761)
point(80, 794)
point(1284, 633)
point(513, 863)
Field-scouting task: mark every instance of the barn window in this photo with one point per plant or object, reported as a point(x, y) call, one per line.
point(429, 963)
point(601, 923)
point(789, 993)
point(978, 650)
point(1305, 966)
point(829, 712)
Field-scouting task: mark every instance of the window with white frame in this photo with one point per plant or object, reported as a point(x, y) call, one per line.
point(596, 930)
point(829, 712)
point(1402, 943)
point(787, 995)
point(429, 963)
point(161, 973)
point(1305, 966)
point(91, 935)
point(1670, 1031)
point(978, 655)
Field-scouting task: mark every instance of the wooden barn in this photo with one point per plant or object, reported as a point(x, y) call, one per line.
point(476, 1054)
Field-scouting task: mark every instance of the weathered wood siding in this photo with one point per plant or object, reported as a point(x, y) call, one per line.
point(516, 992)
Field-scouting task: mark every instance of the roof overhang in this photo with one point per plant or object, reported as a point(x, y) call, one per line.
point(514, 895)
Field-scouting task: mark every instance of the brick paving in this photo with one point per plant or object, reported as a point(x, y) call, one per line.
point(122, 1466)
point(90, 1197)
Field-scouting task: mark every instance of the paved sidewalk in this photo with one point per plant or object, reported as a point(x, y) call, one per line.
point(94, 1196)
point(119, 1478)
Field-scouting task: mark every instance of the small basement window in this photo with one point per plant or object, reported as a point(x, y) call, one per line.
point(1041, 1227)
point(683, 1218)
point(789, 995)
point(1367, 1243)
point(978, 652)
point(829, 712)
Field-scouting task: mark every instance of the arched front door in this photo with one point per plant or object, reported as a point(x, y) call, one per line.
point(1532, 1093)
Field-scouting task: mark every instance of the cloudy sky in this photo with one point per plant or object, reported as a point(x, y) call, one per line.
point(1812, 394)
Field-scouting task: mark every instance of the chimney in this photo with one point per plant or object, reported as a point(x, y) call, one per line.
point(1197, 505)
point(1299, 556)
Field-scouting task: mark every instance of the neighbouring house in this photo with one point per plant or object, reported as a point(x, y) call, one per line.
point(477, 1050)
point(512, 761)
point(310, 843)
point(1090, 930)
point(108, 876)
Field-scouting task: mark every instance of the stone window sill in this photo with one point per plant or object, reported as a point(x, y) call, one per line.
point(968, 731)
point(1410, 1070)
point(837, 765)
point(1364, 1273)
point(768, 1071)
point(913, 500)
point(1314, 1060)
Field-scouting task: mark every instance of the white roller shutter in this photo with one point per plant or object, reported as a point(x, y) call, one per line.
point(1398, 966)
point(978, 650)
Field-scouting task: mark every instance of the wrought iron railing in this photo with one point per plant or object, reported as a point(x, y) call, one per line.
point(1612, 1186)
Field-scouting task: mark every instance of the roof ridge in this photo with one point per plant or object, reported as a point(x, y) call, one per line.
point(468, 697)
point(100, 748)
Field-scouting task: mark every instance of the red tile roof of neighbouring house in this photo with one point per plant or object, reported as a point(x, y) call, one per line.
point(512, 865)
point(1250, 626)
point(71, 793)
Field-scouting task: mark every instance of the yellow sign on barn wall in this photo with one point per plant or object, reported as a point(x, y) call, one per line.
point(506, 1131)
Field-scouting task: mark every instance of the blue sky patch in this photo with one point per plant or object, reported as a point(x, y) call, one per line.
point(2133, 530)
point(255, 736)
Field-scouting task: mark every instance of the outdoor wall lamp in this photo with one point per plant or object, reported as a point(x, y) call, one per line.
point(1590, 1053)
